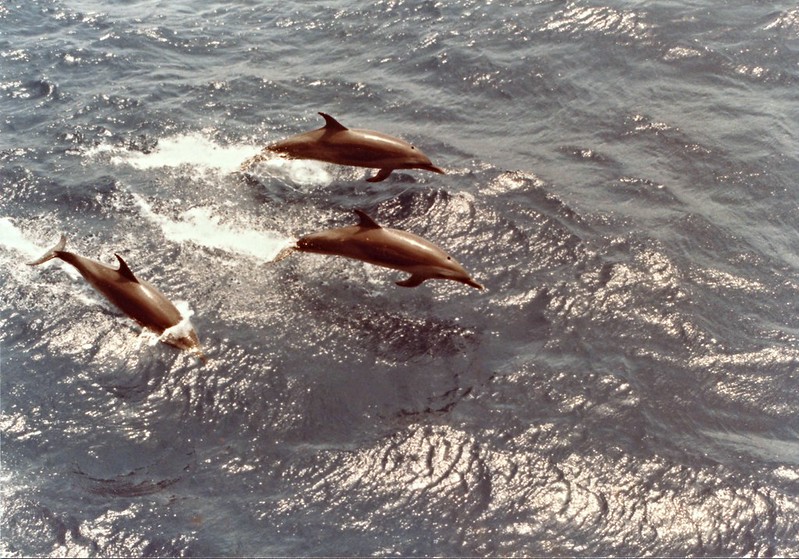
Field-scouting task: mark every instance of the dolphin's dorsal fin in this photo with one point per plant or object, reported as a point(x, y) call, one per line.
point(332, 124)
point(367, 221)
point(124, 270)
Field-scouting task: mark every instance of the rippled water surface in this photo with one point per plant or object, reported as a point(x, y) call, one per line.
point(620, 175)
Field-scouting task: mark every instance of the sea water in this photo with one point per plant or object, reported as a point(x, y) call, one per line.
point(622, 176)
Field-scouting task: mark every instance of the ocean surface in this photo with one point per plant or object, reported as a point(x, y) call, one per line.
point(623, 177)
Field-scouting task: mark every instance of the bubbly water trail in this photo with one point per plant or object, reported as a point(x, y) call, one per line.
point(201, 226)
point(200, 152)
point(191, 149)
point(13, 238)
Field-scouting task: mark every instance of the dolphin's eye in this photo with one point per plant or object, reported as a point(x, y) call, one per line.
point(449, 258)
point(413, 147)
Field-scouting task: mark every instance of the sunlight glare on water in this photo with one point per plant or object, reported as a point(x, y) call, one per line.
point(621, 177)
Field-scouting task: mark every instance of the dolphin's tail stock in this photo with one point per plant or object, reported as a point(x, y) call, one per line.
point(52, 253)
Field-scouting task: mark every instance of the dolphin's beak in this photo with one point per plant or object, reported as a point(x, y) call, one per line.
point(474, 284)
point(433, 168)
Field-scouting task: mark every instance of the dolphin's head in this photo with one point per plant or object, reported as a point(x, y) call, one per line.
point(452, 270)
point(432, 168)
point(183, 336)
point(415, 159)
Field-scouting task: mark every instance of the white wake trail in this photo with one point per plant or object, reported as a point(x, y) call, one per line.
point(201, 226)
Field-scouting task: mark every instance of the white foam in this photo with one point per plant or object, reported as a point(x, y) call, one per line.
point(201, 153)
point(182, 329)
point(12, 238)
point(193, 149)
point(201, 226)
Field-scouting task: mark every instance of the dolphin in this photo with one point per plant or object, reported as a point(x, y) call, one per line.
point(137, 298)
point(391, 248)
point(335, 143)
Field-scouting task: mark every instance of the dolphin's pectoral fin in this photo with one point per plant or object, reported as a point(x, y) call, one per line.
point(332, 124)
point(125, 270)
point(52, 253)
point(413, 281)
point(380, 176)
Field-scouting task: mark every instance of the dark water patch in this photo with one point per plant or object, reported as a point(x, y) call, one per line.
point(524, 480)
point(109, 107)
point(645, 192)
point(69, 200)
point(421, 468)
point(148, 379)
point(523, 191)
point(394, 334)
point(587, 155)
point(422, 205)
point(40, 89)
point(125, 486)
point(34, 529)
point(22, 184)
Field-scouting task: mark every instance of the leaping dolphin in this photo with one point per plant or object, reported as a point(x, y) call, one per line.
point(137, 298)
point(335, 143)
point(391, 248)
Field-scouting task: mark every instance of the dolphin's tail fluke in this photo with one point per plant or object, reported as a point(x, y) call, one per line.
point(285, 253)
point(198, 353)
point(52, 253)
point(254, 160)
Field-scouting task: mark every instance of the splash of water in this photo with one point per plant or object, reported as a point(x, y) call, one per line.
point(13, 238)
point(299, 172)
